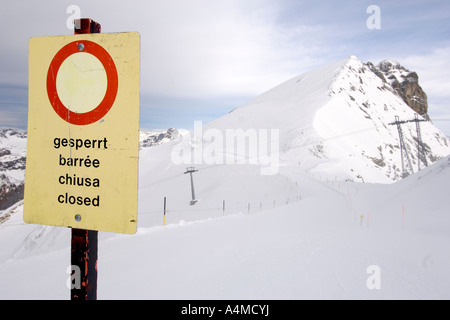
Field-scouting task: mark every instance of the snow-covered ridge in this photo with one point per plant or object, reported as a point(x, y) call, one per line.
point(357, 124)
point(334, 120)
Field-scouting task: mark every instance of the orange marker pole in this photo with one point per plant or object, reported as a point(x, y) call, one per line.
point(164, 221)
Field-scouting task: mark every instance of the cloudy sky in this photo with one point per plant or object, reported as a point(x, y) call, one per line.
point(202, 58)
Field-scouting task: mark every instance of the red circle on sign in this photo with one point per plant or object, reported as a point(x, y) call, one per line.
point(112, 82)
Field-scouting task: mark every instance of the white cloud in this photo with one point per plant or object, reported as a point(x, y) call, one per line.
point(433, 70)
point(210, 49)
point(221, 50)
point(434, 78)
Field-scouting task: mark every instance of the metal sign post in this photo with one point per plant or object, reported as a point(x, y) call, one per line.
point(84, 248)
point(83, 140)
point(84, 243)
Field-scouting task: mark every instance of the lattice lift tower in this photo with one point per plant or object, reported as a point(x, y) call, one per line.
point(407, 168)
point(420, 147)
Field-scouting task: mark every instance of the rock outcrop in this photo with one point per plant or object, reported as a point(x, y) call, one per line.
point(12, 166)
point(404, 82)
point(9, 193)
point(153, 138)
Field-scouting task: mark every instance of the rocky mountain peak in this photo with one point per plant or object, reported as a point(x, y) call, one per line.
point(156, 137)
point(388, 65)
point(404, 82)
point(12, 166)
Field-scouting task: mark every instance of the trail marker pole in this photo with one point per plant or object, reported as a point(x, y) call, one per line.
point(164, 221)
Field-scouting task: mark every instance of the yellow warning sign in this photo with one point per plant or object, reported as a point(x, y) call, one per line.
point(83, 132)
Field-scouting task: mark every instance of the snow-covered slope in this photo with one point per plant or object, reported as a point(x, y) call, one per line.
point(328, 245)
point(356, 123)
point(335, 120)
point(303, 231)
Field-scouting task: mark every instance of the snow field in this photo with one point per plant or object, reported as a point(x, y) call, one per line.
point(308, 249)
point(311, 232)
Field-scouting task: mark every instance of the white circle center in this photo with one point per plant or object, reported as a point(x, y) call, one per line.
point(81, 82)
